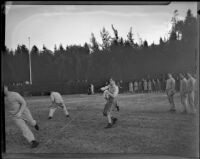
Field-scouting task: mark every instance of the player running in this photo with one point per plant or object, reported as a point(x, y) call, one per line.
point(57, 102)
point(110, 92)
point(20, 113)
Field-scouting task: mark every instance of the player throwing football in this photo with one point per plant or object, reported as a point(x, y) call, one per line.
point(110, 94)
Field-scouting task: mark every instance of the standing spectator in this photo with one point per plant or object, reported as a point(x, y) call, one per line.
point(158, 85)
point(131, 87)
point(136, 86)
point(118, 84)
point(163, 84)
point(149, 85)
point(92, 88)
point(177, 83)
point(89, 90)
point(145, 86)
point(122, 86)
point(170, 90)
point(126, 85)
point(153, 85)
point(183, 92)
point(140, 86)
point(190, 90)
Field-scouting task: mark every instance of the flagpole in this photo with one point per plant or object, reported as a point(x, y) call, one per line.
point(30, 62)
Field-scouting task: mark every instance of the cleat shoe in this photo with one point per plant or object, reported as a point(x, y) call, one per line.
point(108, 126)
point(67, 116)
point(49, 118)
point(36, 127)
point(34, 144)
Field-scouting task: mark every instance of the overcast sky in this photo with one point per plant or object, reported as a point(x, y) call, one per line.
point(73, 24)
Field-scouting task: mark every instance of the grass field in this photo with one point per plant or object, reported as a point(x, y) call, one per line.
point(145, 126)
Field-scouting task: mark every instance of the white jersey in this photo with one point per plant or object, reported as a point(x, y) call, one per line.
point(191, 85)
point(183, 86)
point(13, 102)
point(170, 85)
point(56, 97)
point(131, 87)
point(145, 85)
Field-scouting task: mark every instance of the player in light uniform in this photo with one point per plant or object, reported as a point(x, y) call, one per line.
point(163, 84)
point(153, 85)
point(140, 86)
point(191, 90)
point(158, 85)
point(183, 92)
point(131, 87)
point(92, 88)
point(136, 86)
point(20, 113)
point(57, 102)
point(149, 85)
point(111, 92)
point(170, 90)
point(145, 86)
point(177, 79)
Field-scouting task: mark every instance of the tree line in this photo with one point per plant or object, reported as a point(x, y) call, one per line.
point(122, 59)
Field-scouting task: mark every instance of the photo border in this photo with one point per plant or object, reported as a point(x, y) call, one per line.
point(64, 155)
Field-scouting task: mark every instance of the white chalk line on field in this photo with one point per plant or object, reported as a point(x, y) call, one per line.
point(49, 140)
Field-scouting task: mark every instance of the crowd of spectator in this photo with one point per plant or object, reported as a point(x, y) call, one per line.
point(146, 84)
